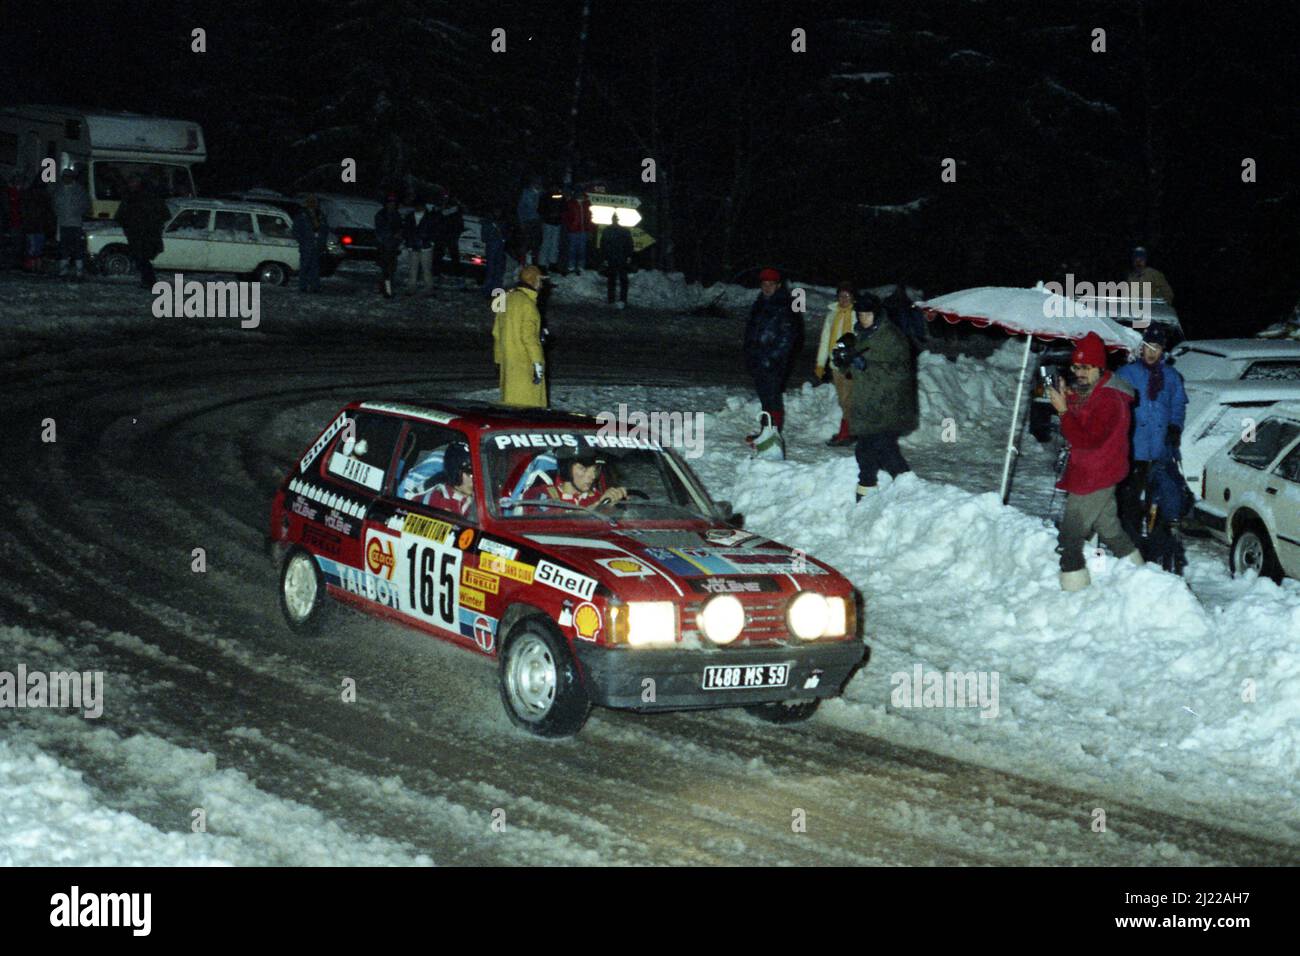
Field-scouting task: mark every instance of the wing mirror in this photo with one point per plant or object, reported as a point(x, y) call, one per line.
point(728, 514)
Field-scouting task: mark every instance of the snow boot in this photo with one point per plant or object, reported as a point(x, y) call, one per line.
point(1075, 580)
point(861, 491)
point(1135, 556)
point(841, 437)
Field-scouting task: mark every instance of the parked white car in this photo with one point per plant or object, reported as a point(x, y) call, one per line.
point(1219, 412)
point(210, 235)
point(1238, 359)
point(1252, 496)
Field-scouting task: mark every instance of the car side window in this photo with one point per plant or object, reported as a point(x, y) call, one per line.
point(420, 461)
point(275, 227)
point(1273, 370)
point(1271, 436)
point(1289, 467)
point(190, 220)
point(234, 225)
point(363, 457)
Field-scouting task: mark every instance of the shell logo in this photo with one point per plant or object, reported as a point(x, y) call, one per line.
point(379, 557)
point(586, 621)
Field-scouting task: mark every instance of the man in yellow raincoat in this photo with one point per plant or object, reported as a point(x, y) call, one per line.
point(517, 344)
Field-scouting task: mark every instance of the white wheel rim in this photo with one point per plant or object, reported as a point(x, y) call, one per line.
point(1250, 552)
point(300, 587)
point(271, 275)
point(531, 677)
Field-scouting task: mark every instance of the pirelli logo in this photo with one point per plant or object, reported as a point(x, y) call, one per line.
point(514, 570)
point(474, 600)
point(439, 531)
point(478, 579)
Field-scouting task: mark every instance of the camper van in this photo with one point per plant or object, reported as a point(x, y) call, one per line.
point(109, 148)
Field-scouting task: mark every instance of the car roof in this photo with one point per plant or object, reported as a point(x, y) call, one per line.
point(1249, 390)
point(228, 205)
point(1286, 410)
point(482, 414)
point(1241, 348)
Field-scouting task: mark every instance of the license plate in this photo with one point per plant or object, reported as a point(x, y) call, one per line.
point(745, 676)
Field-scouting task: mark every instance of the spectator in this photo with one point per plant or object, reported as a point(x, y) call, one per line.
point(492, 233)
point(388, 239)
point(577, 223)
point(616, 246)
point(449, 223)
point(71, 207)
point(142, 216)
point(417, 236)
point(517, 344)
point(771, 342)
point(312, 230)
point(882, 398)
point(551, 208)
point(1095, 421)
point(38, 223)
point(529, 216)
point(1156, 285)
point(839, 321)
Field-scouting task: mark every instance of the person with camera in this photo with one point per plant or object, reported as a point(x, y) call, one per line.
point(839, 320)
point(1095, 419)
point(882, 397)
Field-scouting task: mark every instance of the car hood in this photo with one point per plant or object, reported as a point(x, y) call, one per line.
point(659, 564)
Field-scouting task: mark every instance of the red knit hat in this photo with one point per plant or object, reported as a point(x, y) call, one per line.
point(1089, 350)
point(769, 275)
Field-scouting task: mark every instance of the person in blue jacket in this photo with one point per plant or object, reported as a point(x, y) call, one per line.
point(1158, 416)
point(772, 342)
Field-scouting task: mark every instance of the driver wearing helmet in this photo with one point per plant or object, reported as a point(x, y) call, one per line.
point(578, 481)
point(455, 492)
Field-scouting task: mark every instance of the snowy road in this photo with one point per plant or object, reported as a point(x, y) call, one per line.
point(171, 437)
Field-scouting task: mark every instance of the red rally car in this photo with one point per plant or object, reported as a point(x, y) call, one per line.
point(592, 566)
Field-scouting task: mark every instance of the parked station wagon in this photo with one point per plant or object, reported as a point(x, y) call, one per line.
point(593, 568)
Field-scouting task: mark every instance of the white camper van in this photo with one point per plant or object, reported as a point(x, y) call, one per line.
point(109, 148)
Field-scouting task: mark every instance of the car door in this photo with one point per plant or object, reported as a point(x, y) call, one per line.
point(234, 243)
point(185, 241)
point(276, 240)
point(1283, 486)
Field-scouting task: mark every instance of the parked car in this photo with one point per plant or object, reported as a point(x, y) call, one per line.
point(658, 602)
point(1252, 496)
point(333, 254)
point(1218, 412)
point(1238, 359)
point(208, 235)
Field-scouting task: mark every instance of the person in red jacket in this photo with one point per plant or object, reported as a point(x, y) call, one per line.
point(1095, 417)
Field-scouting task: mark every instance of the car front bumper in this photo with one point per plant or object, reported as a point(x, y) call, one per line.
point(619, 677)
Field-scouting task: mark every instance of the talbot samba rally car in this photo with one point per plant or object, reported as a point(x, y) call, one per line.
point(593, 567)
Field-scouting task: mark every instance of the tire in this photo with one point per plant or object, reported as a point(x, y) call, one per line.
point(115, 261)
point(539, 682)
point(302, 592)
point(272, 273)
point(785, 711)
point(1253, 551)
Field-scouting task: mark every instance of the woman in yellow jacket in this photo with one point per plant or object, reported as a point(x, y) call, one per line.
point(517, 344)
point(839, 320)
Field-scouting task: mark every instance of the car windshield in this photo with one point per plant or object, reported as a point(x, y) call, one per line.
point(530, 475)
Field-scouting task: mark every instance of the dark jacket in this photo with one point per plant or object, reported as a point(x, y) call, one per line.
point(418, 235)
point(311, 236)
point(388, 228)
point(142, 216)
point(616, 246)
point(883, 397)
point(771, 335)
point(448, 224)
point(1096, 426)
point(38, 211)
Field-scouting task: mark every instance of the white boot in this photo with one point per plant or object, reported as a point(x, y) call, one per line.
point(1135, 556)
point(1075, 580)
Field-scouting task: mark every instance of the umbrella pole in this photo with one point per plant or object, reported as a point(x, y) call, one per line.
point(1015, 421)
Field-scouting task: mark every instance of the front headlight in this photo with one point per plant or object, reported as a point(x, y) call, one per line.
point(722, 618)
point(643, 623)
point(811, 615)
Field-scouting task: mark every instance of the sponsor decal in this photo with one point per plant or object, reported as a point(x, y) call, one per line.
point(431, 528)
point(706, 562)
point(470, 598)
point(325, 542)
point(481, 627)
point(587, 621)
point(575, 440)
point(412, 411)
point(497, 548)
point(379, 555)
point(728, 536)
point(354, 469)
point(466, 539)
point(359, 582)
point(514, 570)
point(734, 585)
point(480, 579)
point(300, 507)
point(328, 499)
point(570, 582)
point(335, 520)
point(626, 567)
point(321, 442)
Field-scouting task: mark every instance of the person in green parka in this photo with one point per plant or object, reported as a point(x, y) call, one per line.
point(882, 400)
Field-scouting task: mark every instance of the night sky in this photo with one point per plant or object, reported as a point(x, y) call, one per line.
point(826, 163)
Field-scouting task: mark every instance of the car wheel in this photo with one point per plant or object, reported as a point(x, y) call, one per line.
point(302, 592)
point(785, 711)
point(539, 681)
point(115, 261)
point(272, 273)
point(1253, 551)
